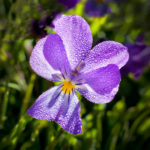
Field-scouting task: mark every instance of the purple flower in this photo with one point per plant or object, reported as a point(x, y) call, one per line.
point(66, 57)
point(69, 3)
point(96, 8)
point(139, 57)
point(38, 26)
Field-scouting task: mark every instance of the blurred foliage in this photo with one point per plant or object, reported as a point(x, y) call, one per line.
point(120, 125)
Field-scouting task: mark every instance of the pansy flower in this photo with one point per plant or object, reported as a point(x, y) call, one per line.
point(139, 57)
point(97, 8)
point(66, 57)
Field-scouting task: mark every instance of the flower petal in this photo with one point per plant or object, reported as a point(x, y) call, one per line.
point(101, 85)
point(55, 53)
point(76, 36)
point(105, 53)
point(48, 57)
point(38, 62)
point(55, 105)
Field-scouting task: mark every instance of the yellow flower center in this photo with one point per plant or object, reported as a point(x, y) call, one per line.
point(67, 87)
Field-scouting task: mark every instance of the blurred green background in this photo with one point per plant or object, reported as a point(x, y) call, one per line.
point(123, 124)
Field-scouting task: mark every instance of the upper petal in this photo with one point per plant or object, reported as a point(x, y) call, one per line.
point(55, 105)
point(49, 57)
point(105, 53)
point(100, 85)
point(55, 53)
point(76, 36)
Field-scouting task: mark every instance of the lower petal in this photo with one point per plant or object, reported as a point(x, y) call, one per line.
point(55, 105)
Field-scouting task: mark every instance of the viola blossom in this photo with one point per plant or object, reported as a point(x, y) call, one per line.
point(97, 8)
point(66, 57)
point(139, 57)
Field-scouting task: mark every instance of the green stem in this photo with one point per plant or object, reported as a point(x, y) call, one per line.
point(52, 145)
point(138, 121)
point(28, 94)
point(4, 108)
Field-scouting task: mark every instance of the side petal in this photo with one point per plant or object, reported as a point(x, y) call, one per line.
point(54, 105)
point(76, 36)
point(38, 62)
point(48, 57)
point(105, 53)
point(101, 85)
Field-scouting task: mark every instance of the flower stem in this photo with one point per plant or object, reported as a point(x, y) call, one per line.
point(52, 145)
point(28, 94)
point(4, 108)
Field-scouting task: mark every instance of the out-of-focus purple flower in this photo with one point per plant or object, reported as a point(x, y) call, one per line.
point(38, 26)
point(96, 8)
point(69, 3)
point(139, 57)
point(66, 57)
